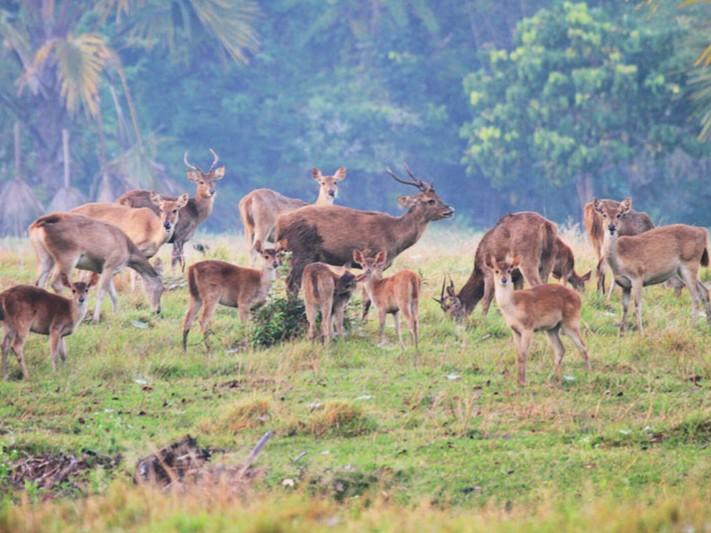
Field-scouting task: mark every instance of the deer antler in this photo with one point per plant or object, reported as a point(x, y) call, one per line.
point(400, 180)
point(215, 159)
point(187, 163)
point(416, 182)
point(440, 300)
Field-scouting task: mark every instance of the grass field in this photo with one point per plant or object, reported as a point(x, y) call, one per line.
point(367, 437)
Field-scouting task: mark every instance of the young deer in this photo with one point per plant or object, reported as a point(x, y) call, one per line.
point(329, 293)
point(654, 257)
point(399, 292)
point(260, 208)
point(211, 282)
point(550, 308)
point(25, 309)
point(564, 267)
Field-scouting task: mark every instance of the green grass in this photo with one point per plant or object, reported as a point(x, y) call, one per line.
point(376, 429)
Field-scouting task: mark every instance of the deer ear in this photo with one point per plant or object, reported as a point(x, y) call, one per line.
point(406, 202)
point(156, 199)
point(490, 262)
point(586, 277)
point(183, 200)
point(626, 204)
point(381, 257)
point(358, 257)
point(64, 279)
point(516, 261)
point(596, 205)
point(193, 175)
point(94, 279)
point(218, 173)
point(316, 174)
point(340, 174)
point(258, 246)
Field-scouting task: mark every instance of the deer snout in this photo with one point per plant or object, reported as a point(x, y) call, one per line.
point(504, 280)
point(167, 225)
point(612, 227)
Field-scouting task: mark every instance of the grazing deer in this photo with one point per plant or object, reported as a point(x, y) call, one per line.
point(193, 213)
point(25, 309)
point(148, 231)
point(564, 267)
point(211, 282)
point(632, 223)
point(331, 233)
point(63, 241)
point(526, 234)
point(329, 293)
point(391, 295)
point(550, 308)
point(654, 257)
point(260, 208)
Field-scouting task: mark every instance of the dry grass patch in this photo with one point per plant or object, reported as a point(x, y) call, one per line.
point(248, 413)
point(340, 419)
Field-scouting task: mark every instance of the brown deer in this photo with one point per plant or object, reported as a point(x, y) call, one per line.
point(654, 257)
point(326, 292)
point(564, 267)
point(25, 309)
point(331, 233)
point(211, 282)
point(526, 234)
point(392, 295)
point(551, 308)
point(632, 223)
point(260, 208)
point(147, 230)
point(193, 213)
point(64, 241)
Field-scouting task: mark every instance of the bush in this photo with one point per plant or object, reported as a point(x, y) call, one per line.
point(279, 320)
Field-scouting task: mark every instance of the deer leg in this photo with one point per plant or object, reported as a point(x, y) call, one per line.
point(44, 267)
point(637, 294)
point(177, 256)
point(600, 271)
point(244, 312)
point(558, 349)
point(530, 273)
point(207, 312)
point(381, 318)
point(311, 312)
point(113, 295)
point(54, 348)
point(396, 318)
point(366, 304)
point(6, 343)
point(488, 293)
point(626, 292)
point(18, 344)
point(62, 350)
point(293, 280)
point(573, 331)
point(327, 320)
point(338, 318)
point(103, 285)
point(523, 345)
point(193, 309)
point(546, 267)
point(415, 324)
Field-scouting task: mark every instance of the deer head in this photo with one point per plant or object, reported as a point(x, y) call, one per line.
point(271, 256)
point(204, 180)
point(578, 282)
point(503, 270)
point(328, 185)
point(169, 209)
point(372, 266)
point(80, 289)
point(612, 215)
point(427, 204)
point(450, 303)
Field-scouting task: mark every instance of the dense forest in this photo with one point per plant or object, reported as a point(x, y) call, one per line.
point(505, 105)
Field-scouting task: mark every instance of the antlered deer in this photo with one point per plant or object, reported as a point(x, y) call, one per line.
point(330, 233)
point(63, 241)
point(654, 257)
point(550, 308)
point(260, 208)
point(631, 223)
point(326, 292)
point(25, 309)
point(526, 234)
point(148, 231)
point(193, 213)
point(211, 282)
point(392, 295)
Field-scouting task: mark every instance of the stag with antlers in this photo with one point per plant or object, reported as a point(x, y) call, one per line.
point(330, 233)
point(194, 212)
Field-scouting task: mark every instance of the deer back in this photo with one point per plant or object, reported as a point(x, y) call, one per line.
point(29, 306)
point(319, 283)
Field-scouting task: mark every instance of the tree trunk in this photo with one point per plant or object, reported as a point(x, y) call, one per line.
point(584, 188)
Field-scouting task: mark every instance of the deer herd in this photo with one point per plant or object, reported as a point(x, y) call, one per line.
point(325, 242)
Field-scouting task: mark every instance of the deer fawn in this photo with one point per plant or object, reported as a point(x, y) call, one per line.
point(211, 282)
point(550, 308)
point(399, 292)
point(327, 292)
point(260, 208)
point(26, 308)
point(654, 257)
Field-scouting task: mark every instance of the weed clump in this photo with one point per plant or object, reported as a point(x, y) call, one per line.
point(279, 320)
point(340, 419)
point(245, 414)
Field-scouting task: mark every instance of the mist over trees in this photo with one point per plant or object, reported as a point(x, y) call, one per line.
point(505, 105)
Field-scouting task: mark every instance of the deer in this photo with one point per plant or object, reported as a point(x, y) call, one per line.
point(194, 213)
point(64, 241)
point(392, 295)
point(212, 281)
point(260, 208)
point(632, 223)
point(550, 308)
point(564, 267)
point(527, 234)
point(330, 233)
point(26, 308)
point(327, 292)
point(653, 257)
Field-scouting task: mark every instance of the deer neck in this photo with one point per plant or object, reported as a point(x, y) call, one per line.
point(78, 312)
point(609, 250)
point(324, 198)
point(504, 297)
point(204, 206)
point(266, 278)
point(371, 285)
point(409, 229)
point(138, 262)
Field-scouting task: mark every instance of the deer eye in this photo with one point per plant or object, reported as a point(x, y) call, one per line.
point(431, 202)
point(175, 211)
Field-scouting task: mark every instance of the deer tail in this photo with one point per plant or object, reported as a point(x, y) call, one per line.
point(245, 212)
point(192, 284)
point(43, 221)
point(705, 257)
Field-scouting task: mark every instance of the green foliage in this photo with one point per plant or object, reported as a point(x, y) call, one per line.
point(280, 319)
